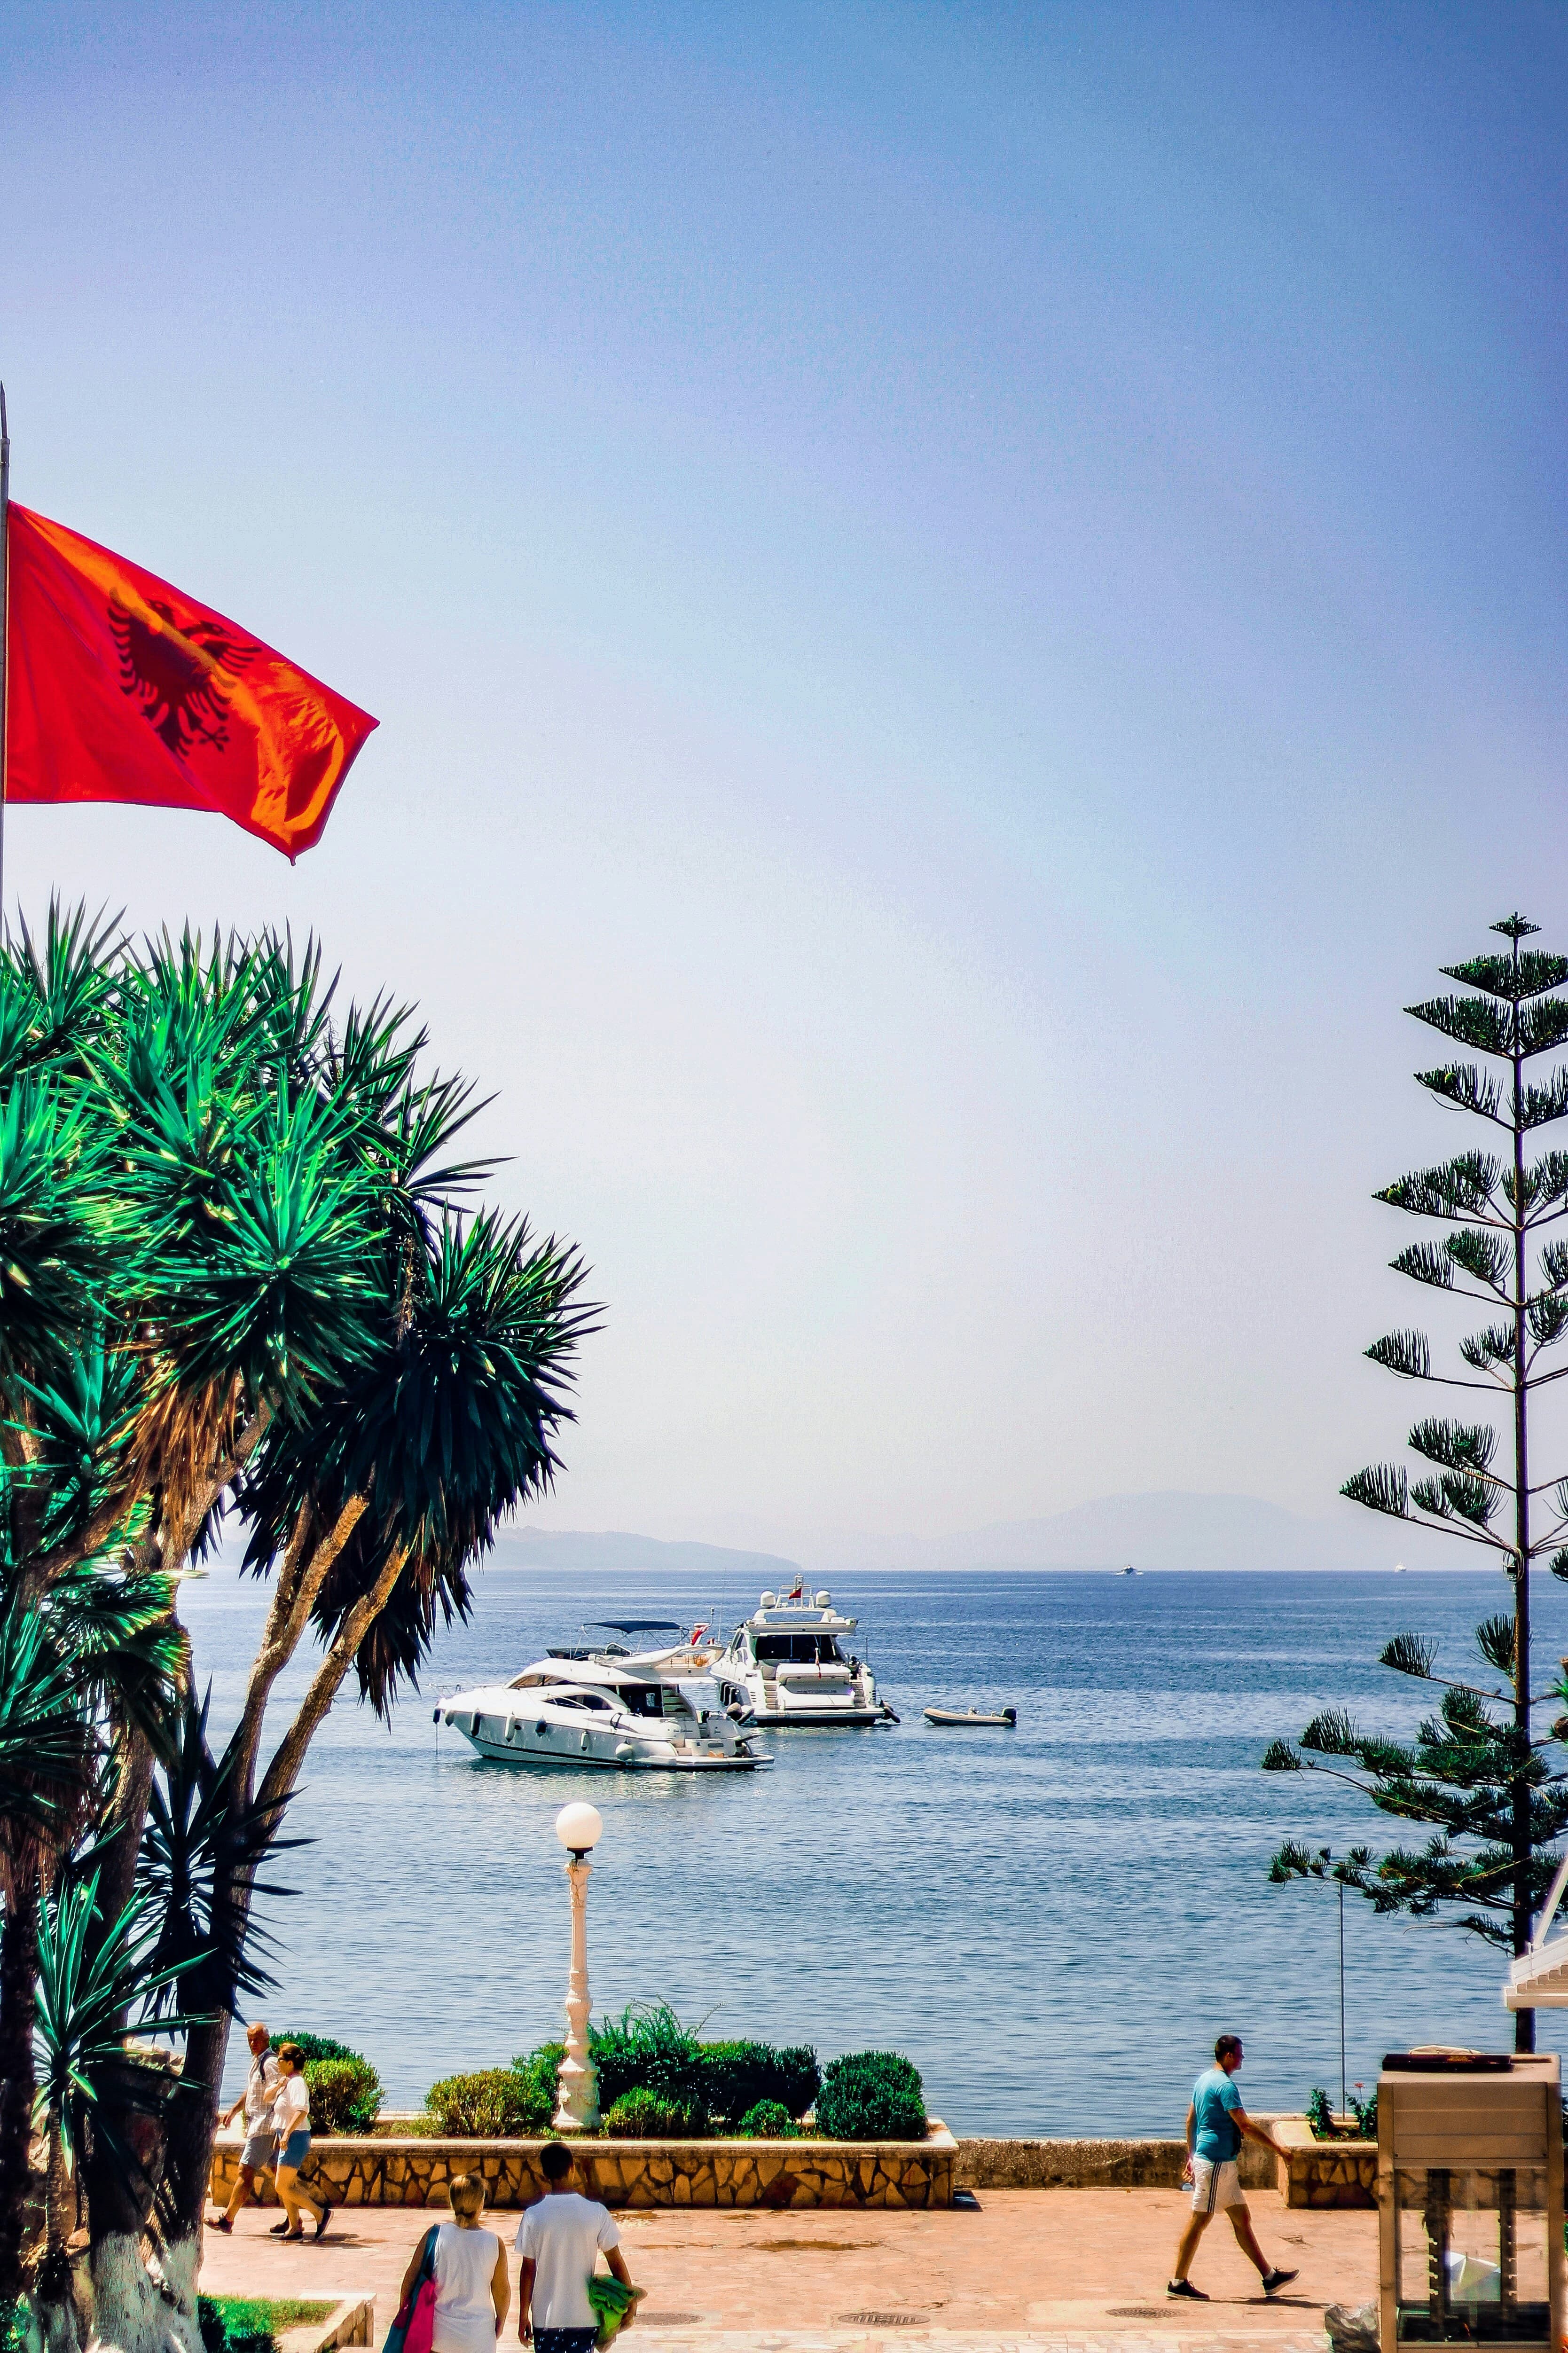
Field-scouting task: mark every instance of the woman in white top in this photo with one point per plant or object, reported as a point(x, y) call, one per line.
point(291, 2123)
point(472, 2292)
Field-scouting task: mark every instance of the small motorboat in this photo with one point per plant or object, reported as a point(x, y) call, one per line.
point(1001, 1719)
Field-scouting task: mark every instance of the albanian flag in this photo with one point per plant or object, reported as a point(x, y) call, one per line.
point(121, 689)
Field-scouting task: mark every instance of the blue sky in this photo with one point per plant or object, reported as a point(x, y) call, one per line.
point(963, 603)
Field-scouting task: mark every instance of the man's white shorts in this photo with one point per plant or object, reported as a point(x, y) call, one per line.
point(1217, 2183)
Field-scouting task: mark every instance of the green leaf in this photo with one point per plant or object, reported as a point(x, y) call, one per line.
point(1425, 1263)
point(1499, 976)
point(1280, 1757)
point(1486, 1255)
point(1332, 1734)
point(1558, 1563)
point(1463, 1084)
point(1382, 1488)
point(1542, 1025)
point(1488, 1348)
point(1469, 1020)
point(1454, 1189)
point(1539, 1105)
point(1408, 1654)
point(1545, 1181)
point(1457, 1445)
point(1495, 1639)
point(1408, 1354)
point(1457, 1495)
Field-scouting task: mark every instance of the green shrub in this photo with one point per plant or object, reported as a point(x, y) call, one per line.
point(493, 2104)
point(243, 2324)
point(769, 2120)
point(345, 2095)
point(737, 2076)
point(315, 2046)
point(229, 2328)
point(540, 2071)
point(641, 2115)
point(1365, 2114)
point(1319, 2115)
point(648, 2050)
point(871, 2095)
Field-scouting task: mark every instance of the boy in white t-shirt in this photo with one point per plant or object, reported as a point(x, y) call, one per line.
point(559, 2240)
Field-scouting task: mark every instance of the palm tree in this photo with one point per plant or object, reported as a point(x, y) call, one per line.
point(238, 1273)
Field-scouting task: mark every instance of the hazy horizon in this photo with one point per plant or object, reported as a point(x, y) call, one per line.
point(962, 606)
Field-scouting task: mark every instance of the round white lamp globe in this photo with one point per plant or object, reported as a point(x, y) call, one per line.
point(578, 1826)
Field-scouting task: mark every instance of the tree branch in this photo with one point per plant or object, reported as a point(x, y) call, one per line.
point(289, 1753)
point(293, 1598)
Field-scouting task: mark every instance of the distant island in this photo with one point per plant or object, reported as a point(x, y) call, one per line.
point(530, 1548)
point(1168, 1529)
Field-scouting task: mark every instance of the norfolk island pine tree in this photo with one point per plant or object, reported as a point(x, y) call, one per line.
point(1493, 1793)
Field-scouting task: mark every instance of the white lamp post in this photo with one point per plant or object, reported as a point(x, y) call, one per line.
point(577, 1827)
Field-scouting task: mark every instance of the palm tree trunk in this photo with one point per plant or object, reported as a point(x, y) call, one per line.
point(135, 2311)
point(19, 2002)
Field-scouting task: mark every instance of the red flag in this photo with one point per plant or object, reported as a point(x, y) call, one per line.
point(121, 689)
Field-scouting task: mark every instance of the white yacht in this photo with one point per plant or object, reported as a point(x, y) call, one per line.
point(685, 1666)
point(602, 1711)
point(787, 1661)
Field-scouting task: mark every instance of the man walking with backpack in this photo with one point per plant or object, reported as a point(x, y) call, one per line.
point(1216, 2123)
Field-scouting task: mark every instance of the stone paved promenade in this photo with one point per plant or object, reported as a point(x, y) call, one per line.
point(1073, 2270)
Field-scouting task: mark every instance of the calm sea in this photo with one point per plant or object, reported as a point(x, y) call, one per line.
point(1053, 1923)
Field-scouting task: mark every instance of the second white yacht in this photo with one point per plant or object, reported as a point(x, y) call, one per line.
point(787, 1662)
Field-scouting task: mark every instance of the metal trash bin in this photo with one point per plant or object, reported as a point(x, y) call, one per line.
point(1469, 2195)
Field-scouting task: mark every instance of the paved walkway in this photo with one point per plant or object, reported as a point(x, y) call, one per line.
point(1053, 2271)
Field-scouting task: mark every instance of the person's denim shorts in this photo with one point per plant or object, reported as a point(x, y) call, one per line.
point(296, 2148)
point(259, 2150)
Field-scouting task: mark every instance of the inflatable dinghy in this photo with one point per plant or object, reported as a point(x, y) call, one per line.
point(1003, 1720)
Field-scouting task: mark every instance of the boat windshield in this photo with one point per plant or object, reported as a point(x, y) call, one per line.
point(806, 1649)
point(579, 1699)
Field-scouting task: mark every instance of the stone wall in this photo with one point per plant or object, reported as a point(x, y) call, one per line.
point(389, 2170)
point(1326, 2172)
point(1092, 2165)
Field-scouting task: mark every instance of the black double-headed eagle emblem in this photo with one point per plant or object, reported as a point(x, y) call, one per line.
point(182, 678)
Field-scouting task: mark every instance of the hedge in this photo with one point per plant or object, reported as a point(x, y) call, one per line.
point(738, 2076)
point(345, 2089)
point(492, 2104)
point(643, 2115)
point(871, 2095)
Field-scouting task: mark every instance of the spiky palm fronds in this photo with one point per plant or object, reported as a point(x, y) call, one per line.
point(45, 1746)
point(201, 1851)
point(92, 1974)
point(451, 1423)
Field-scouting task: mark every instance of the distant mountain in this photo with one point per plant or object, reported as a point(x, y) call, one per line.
point(1170, 1529)
point(530, 1548)
point(1166, 1530)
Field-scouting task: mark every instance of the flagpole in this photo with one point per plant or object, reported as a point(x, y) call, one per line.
point(5, 631)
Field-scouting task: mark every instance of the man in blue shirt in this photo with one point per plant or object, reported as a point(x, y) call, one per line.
point(1216, 2123)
